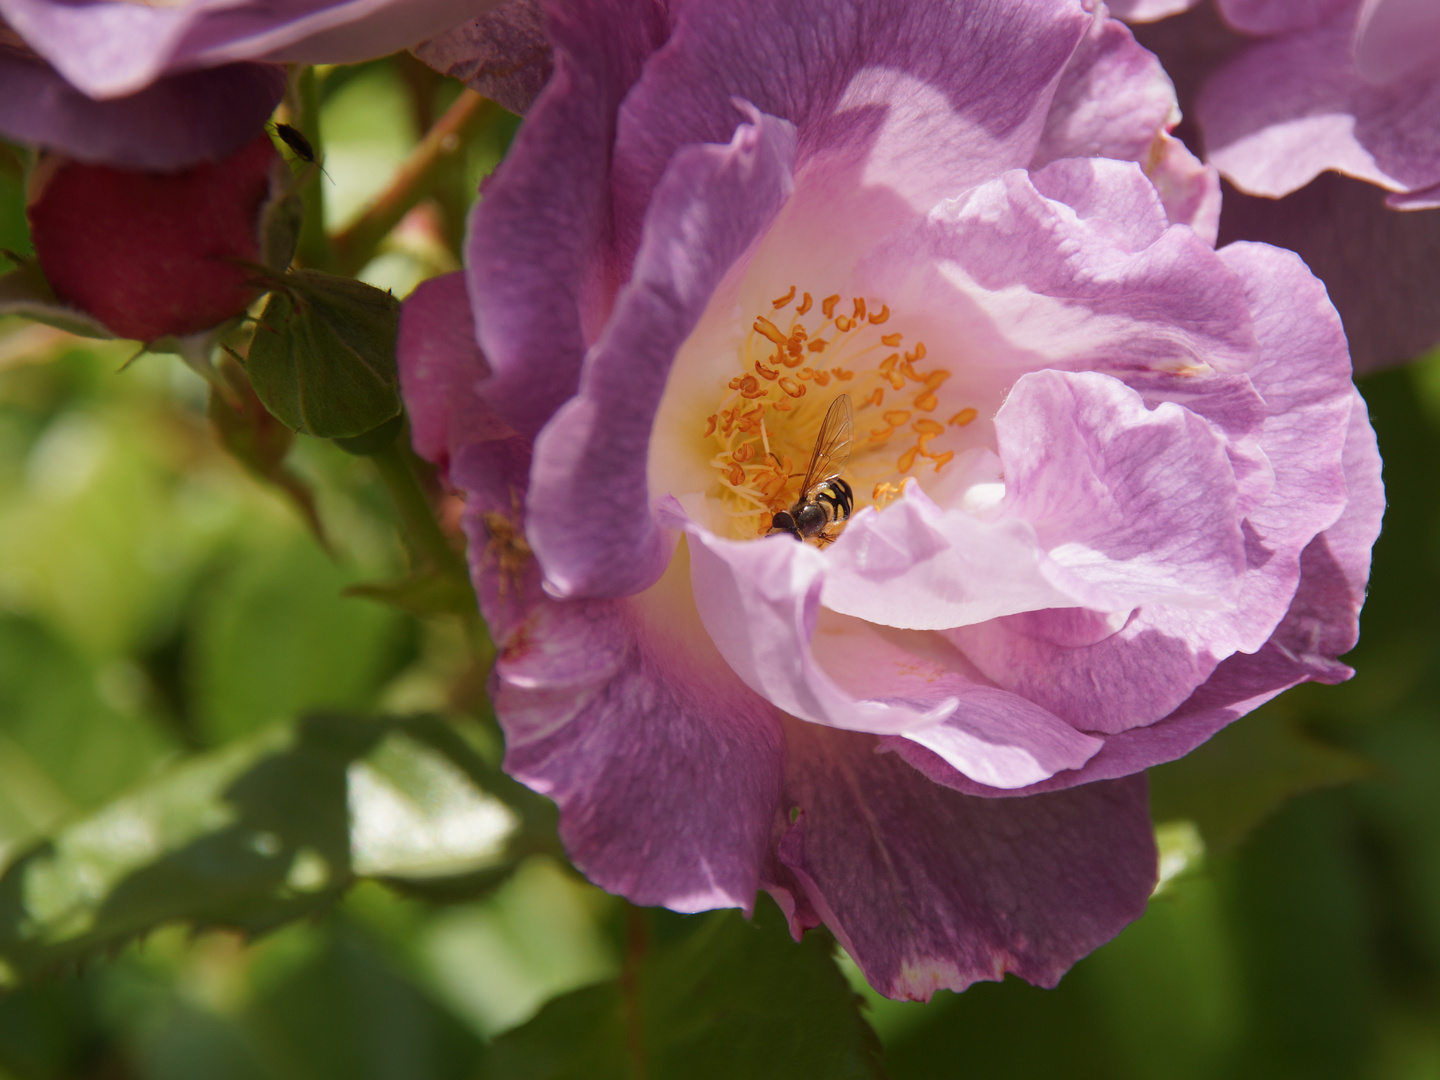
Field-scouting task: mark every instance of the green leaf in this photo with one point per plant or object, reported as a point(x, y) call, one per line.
point(274, 637)
point(732, 998)
point(1237, 779)
point(323, 356)
point(267, 831)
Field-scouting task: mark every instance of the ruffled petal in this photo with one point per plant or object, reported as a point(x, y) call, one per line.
point(174, 123)
point(1115, 101)
point(928, 889)
point(1109, 505)
point(920, 100)
point(759, 600)
point(1288, 109)
point(1322, 623)
point(589, 498)
point(1072, 267)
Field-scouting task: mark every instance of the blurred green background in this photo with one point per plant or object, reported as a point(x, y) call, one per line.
point(156, 601)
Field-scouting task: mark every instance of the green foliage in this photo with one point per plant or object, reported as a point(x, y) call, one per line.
point(323, 356)
point(1246, 772)
point(724, 998)
point(267, 831)
point(274, 636)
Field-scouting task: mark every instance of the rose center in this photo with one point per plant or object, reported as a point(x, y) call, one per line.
point(794, 362)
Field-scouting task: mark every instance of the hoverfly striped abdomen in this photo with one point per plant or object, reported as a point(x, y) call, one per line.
point(826, 500)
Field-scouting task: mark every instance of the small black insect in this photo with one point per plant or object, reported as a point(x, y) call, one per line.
point(297, 142)
point(825, 501)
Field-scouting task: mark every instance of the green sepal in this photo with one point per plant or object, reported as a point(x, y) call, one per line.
point(323, 356)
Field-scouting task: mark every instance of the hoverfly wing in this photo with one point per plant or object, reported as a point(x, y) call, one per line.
point(832, 445)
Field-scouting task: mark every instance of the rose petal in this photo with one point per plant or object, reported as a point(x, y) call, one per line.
point(928, 889)
point(589, 499)
point(174, 123)
point(503, 54)
point(1288, 109)
point(440, 365)
point(666, 768)
point(542, 284)
point(110, 49)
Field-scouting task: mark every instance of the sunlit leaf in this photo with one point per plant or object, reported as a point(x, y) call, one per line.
point(730, 998)
point(266, 831)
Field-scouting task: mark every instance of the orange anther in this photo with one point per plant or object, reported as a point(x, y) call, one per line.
point(943, 459)
point(907, 459)
point(879, 435)
point(804, 305)
point(919, 353)
point(908, 370)
point(927, 401)
point(888, 340)
point(828, 305)
point(885, 365)
point(785, 299)
point(766, 373)
point(843, 323)
point(876, 397)
point(842, 374)
point(792, 359)
point(818, 345)
point(877, 317)
point(750, 388)
point(770, 330)
point(963, 417)
point(896, 417)
point(859, 309)
point(734, 383)
point(897, 381)
point(791, 387)
point(744, 452)
point(710, 426)
point(822, 378)
point(757, 412)
point(783, 405)
point(928, 428)
point(936, 378)
point(735, 474)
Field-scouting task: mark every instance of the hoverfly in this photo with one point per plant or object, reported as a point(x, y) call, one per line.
point(825, 500)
